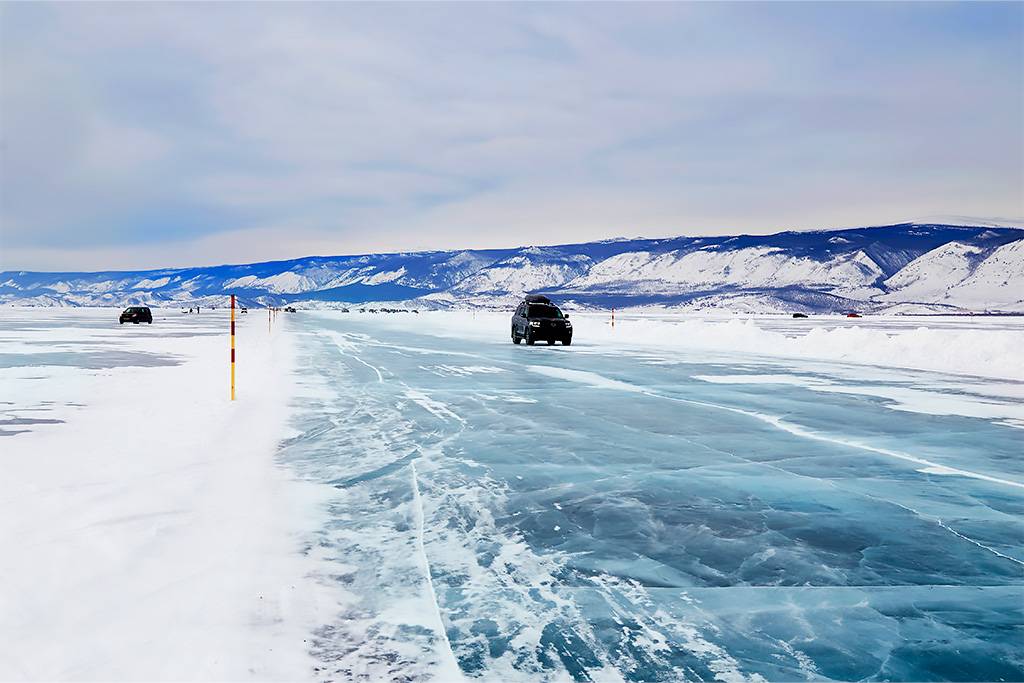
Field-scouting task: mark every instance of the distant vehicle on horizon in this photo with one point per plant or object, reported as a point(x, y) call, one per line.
point(799, 315)
point(853, 315)
point(536, 318)
point(136, 315)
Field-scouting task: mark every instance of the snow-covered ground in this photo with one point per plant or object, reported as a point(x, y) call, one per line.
point(145, 532)
point(963, 345)
point(414, 497)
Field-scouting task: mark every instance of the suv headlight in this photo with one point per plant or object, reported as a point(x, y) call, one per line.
point(568, 324)
point(534, 323)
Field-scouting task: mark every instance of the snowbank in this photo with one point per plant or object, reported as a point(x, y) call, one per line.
point(981, 352)
point(979, 346)
point(151, 535)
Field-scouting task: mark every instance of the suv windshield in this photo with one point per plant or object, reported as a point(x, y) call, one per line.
point(543, 311)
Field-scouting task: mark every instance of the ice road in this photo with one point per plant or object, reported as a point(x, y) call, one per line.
point(414, 498)
point(597, 512)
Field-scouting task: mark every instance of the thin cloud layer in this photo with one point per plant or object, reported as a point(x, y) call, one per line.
point(140, 135)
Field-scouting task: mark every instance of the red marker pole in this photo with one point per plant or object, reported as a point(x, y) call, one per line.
point(613, 317)
point(232, 347)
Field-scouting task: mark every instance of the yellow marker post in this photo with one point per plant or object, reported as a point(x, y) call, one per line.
point(232, 347)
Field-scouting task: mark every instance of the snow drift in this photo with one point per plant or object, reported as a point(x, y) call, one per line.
point(981, 346)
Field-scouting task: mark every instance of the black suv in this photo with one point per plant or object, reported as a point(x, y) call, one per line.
point(537, 318)
point(137, 314)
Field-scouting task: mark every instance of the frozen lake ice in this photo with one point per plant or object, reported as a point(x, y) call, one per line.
point(621, 509)
point(599, 512)
point(146, 530)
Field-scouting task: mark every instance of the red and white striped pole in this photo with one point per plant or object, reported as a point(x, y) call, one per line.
point(232, 347)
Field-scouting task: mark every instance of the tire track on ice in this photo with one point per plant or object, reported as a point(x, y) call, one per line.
point(451, 670)
point(345, 347)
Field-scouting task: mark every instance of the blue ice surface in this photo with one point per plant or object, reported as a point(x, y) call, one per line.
point(654, 529)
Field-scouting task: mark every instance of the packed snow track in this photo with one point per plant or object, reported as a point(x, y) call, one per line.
point(597, 512)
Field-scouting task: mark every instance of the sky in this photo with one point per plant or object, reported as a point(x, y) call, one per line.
point(143, 135)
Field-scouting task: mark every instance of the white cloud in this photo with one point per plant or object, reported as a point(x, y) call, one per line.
point(349, 126)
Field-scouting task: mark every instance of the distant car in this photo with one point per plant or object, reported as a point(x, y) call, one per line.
point(799, 315)
point(136, 314)
point(537, 319)
point(853, 315)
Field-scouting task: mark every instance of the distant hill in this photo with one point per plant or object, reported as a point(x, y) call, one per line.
point(905, 267)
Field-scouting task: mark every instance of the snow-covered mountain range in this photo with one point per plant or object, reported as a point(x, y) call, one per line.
point(908, 267)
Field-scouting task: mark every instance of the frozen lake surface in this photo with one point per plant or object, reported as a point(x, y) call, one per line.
point(147, 531)
point(601, 512)
point(650, 504)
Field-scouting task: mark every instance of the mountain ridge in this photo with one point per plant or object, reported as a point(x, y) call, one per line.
point(810, 271)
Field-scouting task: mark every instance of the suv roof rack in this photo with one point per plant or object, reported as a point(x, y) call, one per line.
point(536, 299)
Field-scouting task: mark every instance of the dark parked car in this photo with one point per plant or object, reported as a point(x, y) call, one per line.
point(536, 319)
point(137, 314)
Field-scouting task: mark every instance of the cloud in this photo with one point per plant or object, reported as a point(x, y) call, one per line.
point(134, 133)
